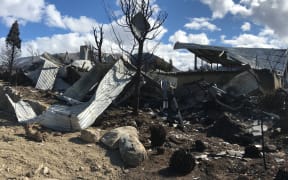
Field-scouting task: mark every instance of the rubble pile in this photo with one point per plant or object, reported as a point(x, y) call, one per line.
point(196, 130)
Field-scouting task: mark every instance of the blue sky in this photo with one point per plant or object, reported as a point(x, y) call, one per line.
point(59, 26)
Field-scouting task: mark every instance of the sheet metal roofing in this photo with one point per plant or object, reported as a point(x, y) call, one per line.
point(257, 58)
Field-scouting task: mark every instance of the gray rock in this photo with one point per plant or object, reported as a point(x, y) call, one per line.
point(90, 135)
point(132, 150)
point(111, 138)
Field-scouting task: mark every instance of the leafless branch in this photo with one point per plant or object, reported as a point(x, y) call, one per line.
point(98, 37)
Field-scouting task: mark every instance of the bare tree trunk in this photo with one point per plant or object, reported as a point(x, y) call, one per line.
point(138, 77)
point(100, 55)
point(11, 62)
point(263, 145)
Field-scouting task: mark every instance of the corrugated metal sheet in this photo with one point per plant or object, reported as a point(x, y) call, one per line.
point(80, 88)
point(257, 58)
point(47, 76)
point(77, 117)
point(22, 109)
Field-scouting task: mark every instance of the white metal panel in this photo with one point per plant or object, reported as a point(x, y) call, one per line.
point(77, 117)
point(47, 76)
point(22, 109)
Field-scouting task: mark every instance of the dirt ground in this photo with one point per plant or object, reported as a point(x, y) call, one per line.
point(61, 156)
point(66, 156)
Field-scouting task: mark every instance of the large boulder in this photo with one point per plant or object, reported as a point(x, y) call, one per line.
point(111, 138)
point(132, 150)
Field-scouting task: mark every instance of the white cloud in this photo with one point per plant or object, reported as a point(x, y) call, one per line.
point(82, 24)
point(183, 60)
point(246, 40)
point(21, 10)
point(80, 33)
point(182, 36)
point(221, 7)
point(69, 42)
point(272, 14)
point(246, 26)
point(54, 18)
point(265, 39)
point(2, 41)
point(57, 43)
point(201, 24)
point(266, 13)
point(267, 32)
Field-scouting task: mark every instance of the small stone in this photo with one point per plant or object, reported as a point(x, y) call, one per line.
point(90, 135)
point(125, 171)
point(45, 170)
point(30, 174)
point(94, 168)
point(133, 123)
point(8, 169)
point(57, 134)
point(81, 168)
point(8, 138)
point(108, 171)
point(24, 178)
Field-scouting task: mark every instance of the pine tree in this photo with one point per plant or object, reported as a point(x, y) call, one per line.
point(13, 46)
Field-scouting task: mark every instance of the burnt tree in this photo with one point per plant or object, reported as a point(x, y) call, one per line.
point(143, 20)
point(13, 47)
point(98, 37)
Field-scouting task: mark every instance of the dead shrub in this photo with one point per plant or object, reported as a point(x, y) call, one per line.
point(158, 135)
point(182, 161)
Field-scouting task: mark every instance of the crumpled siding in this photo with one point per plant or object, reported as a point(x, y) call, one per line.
point(47, 76)
point(77, 117)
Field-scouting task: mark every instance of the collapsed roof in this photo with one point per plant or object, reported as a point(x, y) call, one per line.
point(257, 58)
point(81, 115)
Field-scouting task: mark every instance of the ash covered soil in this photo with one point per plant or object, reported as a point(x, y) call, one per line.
point(66, 156)
point(61, 156)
